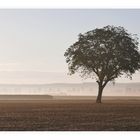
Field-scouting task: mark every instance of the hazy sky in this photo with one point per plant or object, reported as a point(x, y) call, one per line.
point(33, 42)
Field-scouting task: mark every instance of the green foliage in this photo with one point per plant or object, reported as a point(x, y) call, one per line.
point(104, 54)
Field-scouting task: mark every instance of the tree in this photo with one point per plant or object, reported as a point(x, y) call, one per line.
point(104, 54)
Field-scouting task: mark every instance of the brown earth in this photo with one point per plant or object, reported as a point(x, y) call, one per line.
point(70, 115)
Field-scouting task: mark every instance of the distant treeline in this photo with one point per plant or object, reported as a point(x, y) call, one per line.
point(71, 89)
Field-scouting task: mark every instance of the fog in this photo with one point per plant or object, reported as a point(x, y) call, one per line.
point(69, 89)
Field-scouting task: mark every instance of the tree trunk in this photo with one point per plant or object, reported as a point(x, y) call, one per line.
point(99, 97)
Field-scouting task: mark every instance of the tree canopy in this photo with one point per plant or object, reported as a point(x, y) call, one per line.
point(104, 54)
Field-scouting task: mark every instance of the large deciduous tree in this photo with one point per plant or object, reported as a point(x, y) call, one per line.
point(104, 54)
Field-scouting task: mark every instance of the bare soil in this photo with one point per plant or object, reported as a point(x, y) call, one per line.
point(70, 115)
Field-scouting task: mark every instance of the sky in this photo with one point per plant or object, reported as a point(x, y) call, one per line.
point(33, 42)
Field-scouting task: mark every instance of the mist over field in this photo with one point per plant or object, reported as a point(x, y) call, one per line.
point(62, 84)
point(70, 89)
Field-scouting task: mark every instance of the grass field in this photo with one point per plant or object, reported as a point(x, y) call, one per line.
point(83, 114)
